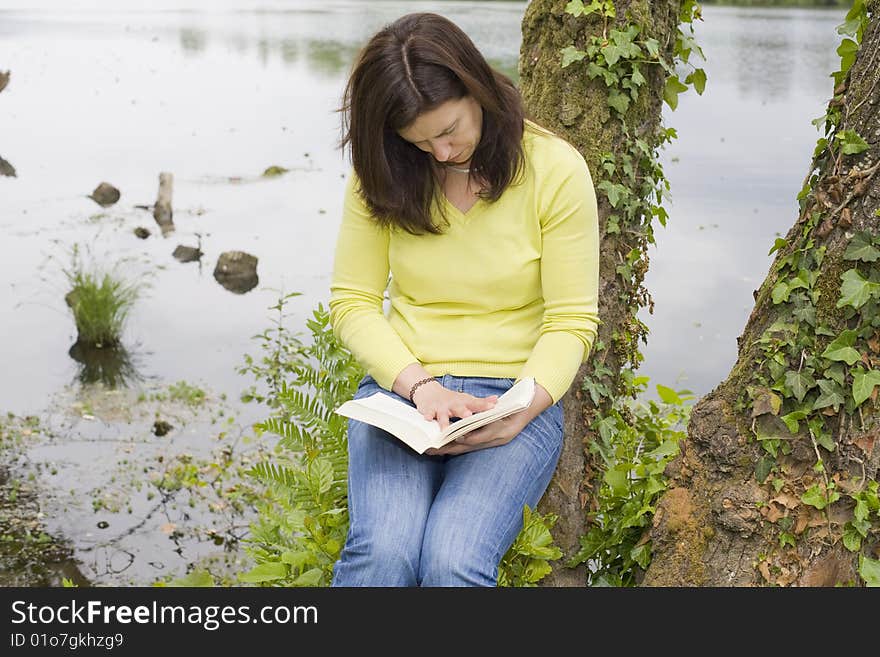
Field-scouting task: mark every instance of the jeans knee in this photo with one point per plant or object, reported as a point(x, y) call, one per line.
point(468, 567)
point(376, 561)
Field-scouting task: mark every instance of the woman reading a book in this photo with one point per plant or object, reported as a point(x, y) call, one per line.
point(483, 228)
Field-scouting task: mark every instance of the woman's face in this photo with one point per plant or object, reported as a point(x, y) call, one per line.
point(450, 132)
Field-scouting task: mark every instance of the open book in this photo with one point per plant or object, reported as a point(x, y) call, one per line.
point(404, 421)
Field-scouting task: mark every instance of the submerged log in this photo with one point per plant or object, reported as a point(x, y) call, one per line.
point(162, 212)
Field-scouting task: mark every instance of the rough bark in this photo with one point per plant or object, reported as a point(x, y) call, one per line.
point(566, 101)
point(716, 526)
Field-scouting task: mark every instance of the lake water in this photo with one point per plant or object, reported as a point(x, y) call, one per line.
point(216, 92)
point(217, 96)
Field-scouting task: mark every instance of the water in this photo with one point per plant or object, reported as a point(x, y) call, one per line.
point(217, 92)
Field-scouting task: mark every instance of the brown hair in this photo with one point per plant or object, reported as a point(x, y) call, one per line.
point(411, 66)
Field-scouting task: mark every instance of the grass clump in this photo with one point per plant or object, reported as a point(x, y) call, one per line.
point(100, 303)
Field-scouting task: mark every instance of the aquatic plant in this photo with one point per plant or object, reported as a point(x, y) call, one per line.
point(100, 302)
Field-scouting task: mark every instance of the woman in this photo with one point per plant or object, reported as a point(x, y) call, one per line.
point(487, 226)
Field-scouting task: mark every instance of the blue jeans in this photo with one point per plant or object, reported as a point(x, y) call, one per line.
point(419, 520)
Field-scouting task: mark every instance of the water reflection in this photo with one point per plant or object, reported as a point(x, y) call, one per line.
point(114, 367)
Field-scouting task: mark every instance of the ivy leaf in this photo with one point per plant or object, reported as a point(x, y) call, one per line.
point(612, 53)
point(571, 54)
point(852, 541)
point(855, 290)
point(869, 569)
point(824, 439)
point(792, 420)
point(618, 101)
point(780, 292)
point(698, 79)
point(575, 8)
point(672, 89)
point(861, 247)
point(832, 394)
point(814, 497)
point(799, 383)
point(863, 384)
point(653, 47)
point(778, 244)
point(763, 468)
point(613, 191)
point(850, 27)
point(851, 142)
point(637, 78)
point(847, 51)
point(842, 348)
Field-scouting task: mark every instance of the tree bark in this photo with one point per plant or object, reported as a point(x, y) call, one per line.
point(568, 102)
point(719, 524)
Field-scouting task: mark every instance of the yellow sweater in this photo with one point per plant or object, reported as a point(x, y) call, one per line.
point(510, 289)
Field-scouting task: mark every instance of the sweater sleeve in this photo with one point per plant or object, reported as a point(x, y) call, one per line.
point(360, 276)
point(569, 277)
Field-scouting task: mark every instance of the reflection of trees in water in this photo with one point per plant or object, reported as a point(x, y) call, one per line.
point(327, 57)
point(115, 367)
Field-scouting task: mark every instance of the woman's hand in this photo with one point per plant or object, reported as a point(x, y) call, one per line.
point(499, 432)
point(435, 402)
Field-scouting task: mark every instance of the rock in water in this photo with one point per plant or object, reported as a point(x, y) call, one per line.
point(4, 79)
point(187, 253)
point(105, 195)
point(236, 271)
point(6, 169)
point(142, 232)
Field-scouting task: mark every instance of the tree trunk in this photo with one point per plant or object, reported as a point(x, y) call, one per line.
point(576, 107)
point(737, 514)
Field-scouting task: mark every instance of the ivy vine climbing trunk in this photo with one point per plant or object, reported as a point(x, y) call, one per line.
point(776, 483)
point(594, 116)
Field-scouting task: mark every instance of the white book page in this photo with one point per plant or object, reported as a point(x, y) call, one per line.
point(395, 417)
point(410, 426)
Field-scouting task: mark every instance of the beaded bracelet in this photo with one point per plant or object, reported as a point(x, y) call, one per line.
point(417, 384)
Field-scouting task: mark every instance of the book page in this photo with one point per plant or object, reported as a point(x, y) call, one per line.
point(395, 417)
point(406, 423)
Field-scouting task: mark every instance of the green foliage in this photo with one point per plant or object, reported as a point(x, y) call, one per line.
point(282, 351)
point(300, 531)
point(100, 302)
point(619, 53)
point(636, 440)
point(528, 560)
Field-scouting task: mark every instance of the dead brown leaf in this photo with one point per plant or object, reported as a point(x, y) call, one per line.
point(866, 442)
point(773, 512)
point(787, 500)
point(764, 567)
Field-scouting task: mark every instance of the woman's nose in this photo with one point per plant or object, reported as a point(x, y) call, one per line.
point(442, 152)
